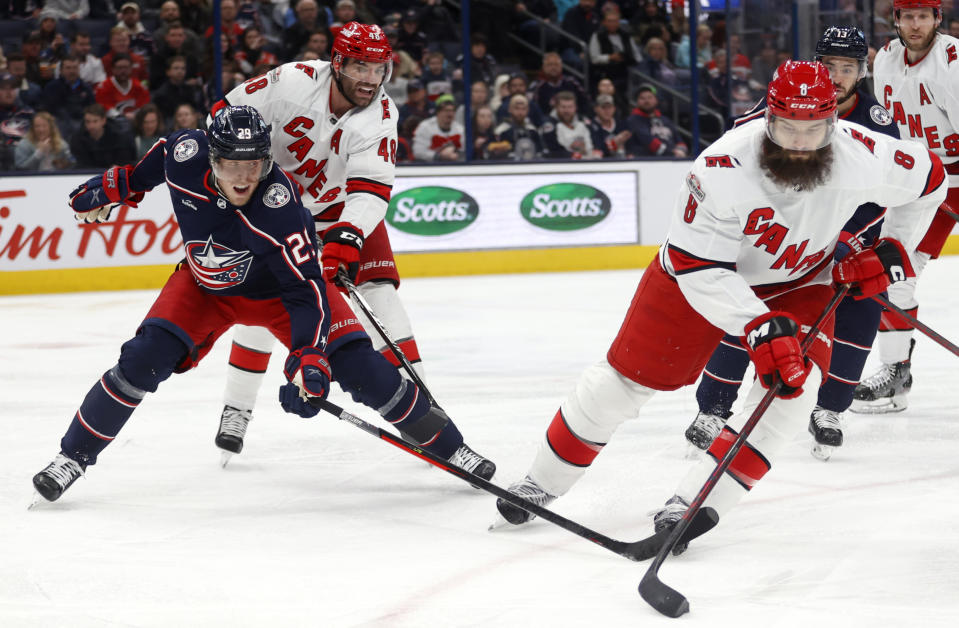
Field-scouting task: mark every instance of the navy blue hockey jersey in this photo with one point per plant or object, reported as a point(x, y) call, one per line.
point(865, 225)
point(263, 250)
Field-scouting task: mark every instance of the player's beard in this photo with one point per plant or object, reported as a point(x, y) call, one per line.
point(922, 45)
point(801, 174)
point(338, 77)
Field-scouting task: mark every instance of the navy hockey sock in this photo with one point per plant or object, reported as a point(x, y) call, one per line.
point(857, 322)
point(722, 378)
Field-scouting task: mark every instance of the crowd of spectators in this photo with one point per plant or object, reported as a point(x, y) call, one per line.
point(91, 83)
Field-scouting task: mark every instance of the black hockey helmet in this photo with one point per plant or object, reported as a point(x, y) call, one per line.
point(844, 41)
point(238, 132)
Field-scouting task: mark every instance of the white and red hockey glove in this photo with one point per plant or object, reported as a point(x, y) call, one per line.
point(872, 271)
point(341, 248)
point(774, 348)
point(308, 373)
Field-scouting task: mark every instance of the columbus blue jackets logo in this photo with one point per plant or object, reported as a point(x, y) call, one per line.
point(215, 266)
point(276, 196)
point(185, 149)
point(879, 115)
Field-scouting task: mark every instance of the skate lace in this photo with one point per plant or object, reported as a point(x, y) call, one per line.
point(233, 421)
point(826, 419)
point(709, 424)
point(467, 459)
point(671, 511)
point(531, 491)
point(64, 470)
point(882, 377)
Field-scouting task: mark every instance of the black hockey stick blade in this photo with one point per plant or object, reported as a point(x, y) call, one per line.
point(661, 596)
point(644, 549)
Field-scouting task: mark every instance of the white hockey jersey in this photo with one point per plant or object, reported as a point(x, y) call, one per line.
point(345, 166)
point(737, 237)
point(923, 97)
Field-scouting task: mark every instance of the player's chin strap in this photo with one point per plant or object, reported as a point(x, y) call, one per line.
point(643, 549)
point(915, 322)
point(343, 279)
point(661, 596)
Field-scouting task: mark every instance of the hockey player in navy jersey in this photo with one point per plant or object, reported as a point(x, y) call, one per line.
point(251, 258)
point(843, 50)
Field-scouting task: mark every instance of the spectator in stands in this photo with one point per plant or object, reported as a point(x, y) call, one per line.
point(439, 138)
point(435, 77)
point(43, 148)
point(656, 65)
point(309, 19)
point(196, 15)
point(121, 94)
point(67, 9)
point(411, 38)
point(606, 87)
point(417, 105)
point(581, 22)
point(403, 64)
point(516, 138)
point(187, 117)
point(482, 64)
point(98, 144)
point(608, 130)
point(344, 12)
point(53, 47)
point(720, 87)
point(147, 129)
point(483, 136)
point(441, 30)
point(531, 30)
point(612, 52)
point(763, 66)
point(169, 15)
point(228, 24)
point(230, 77)
point(704, 49)
point(650, 16)
point(176, 91)
point(742, 67)
point(552, 81)
point(91, 68)
point(29, 92)
point(565, 135)
point(652, 134)
point(30, 49)
point(251, 52)
point(479, 97)
point(66, 96)
point(120, 45)
point(172, 45)
point(404, 139)
point(319, 45)
point(15, 119)
point(954, 27)
point(141, 41)
point(517, 85)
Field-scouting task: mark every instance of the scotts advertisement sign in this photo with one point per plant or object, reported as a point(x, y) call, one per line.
point(432, 211)
point(565, 206)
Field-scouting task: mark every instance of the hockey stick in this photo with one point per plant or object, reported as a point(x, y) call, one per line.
point(381, 330)
point(915, 322)
point(661, 596)
point(950, 213)
point(639, 550)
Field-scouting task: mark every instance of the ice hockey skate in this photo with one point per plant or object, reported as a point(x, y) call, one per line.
point(233, 424)
point(57, 477)
point(514, 515)
point(468, 460)
point(668, 516)
point(826, 427)
point(702, 432)
point(886, 390)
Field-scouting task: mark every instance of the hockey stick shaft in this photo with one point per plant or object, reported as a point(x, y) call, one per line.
point(639, 550)
point(381, 330)
point(915, 322)
point(660, 596)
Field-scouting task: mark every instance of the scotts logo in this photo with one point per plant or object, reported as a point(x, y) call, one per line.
point(565, 206)
point(432, 211)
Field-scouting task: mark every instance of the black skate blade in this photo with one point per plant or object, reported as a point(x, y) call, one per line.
point(703, 521)
point(662, 597)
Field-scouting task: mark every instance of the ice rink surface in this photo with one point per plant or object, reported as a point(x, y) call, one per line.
point(318, 523)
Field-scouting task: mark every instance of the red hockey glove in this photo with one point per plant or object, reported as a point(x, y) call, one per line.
point(873, 270)
point(116, 185)
point(308, 372)
point(774, 349)
point(341, 247)
point(92, 204)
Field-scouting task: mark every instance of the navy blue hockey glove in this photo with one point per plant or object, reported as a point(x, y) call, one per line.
point(93, 201)
point(308, 372)
point(775, 351)
point(341, 247)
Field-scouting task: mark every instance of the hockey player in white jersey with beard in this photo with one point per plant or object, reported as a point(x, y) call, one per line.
point(749, 253)
point(917, 79)
point(334, 132)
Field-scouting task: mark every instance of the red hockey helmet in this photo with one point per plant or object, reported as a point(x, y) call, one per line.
point(917, 4)
point(801, 106)
point(365, 42)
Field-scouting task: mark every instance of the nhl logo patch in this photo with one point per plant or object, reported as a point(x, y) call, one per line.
point(185, 149)
point(276, 196)
point(695, 187)
point(879, 115)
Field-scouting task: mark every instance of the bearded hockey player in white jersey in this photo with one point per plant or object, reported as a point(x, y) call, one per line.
point(749, 253)
point(917, 79)
point(334, 131)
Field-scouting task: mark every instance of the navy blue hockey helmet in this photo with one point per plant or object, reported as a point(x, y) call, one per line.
point(844, 41)
point(239, 133)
